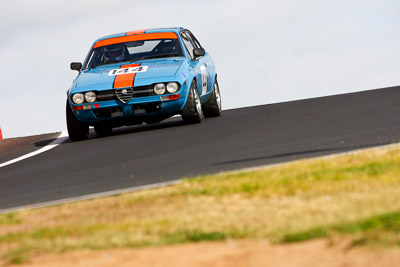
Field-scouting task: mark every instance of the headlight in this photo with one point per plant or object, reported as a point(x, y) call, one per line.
point(172, 87)
point(78, 98)
point(159, 88)
point(90, 97)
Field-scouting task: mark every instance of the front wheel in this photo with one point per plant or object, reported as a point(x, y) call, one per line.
point(213, 106)
point(76, 130)
point(192, 111)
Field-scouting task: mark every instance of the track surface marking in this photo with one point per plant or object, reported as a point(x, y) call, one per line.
point(60, 139)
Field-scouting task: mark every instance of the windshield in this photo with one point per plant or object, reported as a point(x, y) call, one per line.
point(133, 51)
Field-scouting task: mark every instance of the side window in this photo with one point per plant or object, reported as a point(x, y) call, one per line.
point(194, 40)
point(188, 44)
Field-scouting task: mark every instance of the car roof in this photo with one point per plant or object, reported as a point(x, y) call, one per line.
point(172, 29)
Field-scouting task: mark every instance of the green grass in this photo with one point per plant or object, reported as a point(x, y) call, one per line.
point(357, 196)
point(194, 236)
point(375, 230)
point(18, 255)
point(9, 219)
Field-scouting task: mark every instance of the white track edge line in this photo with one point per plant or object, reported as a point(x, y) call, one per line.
point(60, 139)
point(173, 182)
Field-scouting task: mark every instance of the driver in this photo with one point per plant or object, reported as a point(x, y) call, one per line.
point(114, 53)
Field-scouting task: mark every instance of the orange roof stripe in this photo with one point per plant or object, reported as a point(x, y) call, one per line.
point(135, 32)
point(137, 37)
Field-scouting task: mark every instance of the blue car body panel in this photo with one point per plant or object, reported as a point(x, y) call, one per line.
point(182, 70)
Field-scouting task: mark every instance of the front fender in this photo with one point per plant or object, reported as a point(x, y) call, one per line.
point(185, 72)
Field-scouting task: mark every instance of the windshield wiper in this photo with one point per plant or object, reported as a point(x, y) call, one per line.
point(94, 66)
point(156, 56)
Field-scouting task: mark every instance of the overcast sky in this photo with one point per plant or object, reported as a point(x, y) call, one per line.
point(265, 51)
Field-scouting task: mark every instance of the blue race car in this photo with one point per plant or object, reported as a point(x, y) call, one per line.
point(142, 76)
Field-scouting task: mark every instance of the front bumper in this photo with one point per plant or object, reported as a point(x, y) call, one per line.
point(135, 111)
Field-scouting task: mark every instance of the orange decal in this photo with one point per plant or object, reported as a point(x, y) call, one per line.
point(135, 32)
point(137, 37)
point(125, 80)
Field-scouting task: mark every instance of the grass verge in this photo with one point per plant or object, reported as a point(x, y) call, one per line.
point(356, 195)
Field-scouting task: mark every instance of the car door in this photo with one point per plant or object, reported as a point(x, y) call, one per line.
point(200, 65)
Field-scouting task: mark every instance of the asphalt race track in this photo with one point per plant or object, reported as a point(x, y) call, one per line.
point(245, 137)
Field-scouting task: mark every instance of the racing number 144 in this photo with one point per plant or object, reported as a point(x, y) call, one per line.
point(127, 70)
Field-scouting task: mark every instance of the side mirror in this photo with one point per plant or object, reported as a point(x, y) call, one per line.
point(76, 66)
point(199, 52)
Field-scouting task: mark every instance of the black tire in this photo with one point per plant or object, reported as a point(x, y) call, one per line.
point(103, 129)
point(213, 106)
point(192, 111)
point(77, 130)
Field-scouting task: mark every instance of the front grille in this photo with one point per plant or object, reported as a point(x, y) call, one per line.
point(143, 91)
point(106, 95)
point(124, 94)
point(115, 94)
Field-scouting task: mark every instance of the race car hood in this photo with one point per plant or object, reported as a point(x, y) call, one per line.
point(106, 74)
